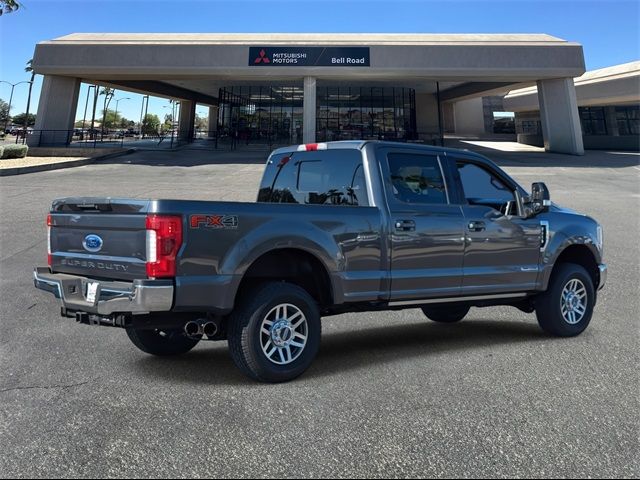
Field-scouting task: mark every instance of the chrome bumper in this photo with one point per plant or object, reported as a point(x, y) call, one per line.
point(140, 296)
point(603, 275)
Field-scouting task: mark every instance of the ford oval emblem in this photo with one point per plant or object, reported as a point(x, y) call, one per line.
point(92, 243)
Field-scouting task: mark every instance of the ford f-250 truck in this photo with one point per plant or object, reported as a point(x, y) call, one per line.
point(338, 227)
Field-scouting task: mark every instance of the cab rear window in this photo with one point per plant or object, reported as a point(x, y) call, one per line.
point(332, 177)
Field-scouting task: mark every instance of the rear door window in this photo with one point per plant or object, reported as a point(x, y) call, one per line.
point(417, 178)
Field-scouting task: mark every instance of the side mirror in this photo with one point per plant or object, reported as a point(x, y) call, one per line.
point(540, 200)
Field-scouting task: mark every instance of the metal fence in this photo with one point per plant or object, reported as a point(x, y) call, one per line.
point(87, 139)
point(225, 140)
point(220, 140)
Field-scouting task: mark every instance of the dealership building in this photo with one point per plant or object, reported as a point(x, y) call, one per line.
point(294, 88)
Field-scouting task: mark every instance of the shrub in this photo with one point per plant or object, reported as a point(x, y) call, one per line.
point(1, 150)
point(14, 151)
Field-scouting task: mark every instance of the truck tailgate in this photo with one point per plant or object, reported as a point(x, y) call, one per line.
point(99, 238)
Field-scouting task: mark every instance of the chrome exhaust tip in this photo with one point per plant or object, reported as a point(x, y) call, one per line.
point(191, 329)
point(210, 329)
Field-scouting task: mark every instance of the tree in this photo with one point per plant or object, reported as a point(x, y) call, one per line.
point(168, 122)
point(29, 69)
point(110, 119)
point(108, 95)
point(4, 112)
point(21, 119)
point(202, 123)
point(8, 6)
point(150, 124)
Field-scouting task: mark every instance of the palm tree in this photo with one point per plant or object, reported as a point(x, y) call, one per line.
point(29, 69)
point(8, 6)
point(108, 95)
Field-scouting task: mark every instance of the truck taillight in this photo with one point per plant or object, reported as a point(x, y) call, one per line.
point(164, 239)
point(49, 222)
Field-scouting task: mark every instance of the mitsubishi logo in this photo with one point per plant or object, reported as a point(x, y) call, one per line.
point(262, 58)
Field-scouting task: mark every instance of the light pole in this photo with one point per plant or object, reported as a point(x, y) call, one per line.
point(172, 105)
point(13, 85)
point(201, 115)
point(116, 118)
point(173, 120)
point(124, 98)
point(144, 99)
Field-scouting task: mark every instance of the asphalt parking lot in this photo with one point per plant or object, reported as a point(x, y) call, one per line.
point(390, 395)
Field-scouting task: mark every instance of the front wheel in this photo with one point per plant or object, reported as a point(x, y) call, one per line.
point(274, 333)
point(446, 314)
point(566, 308)
point(162, 343)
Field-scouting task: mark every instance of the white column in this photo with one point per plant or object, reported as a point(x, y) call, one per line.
point(56, 111)
point(309, 111)
point(561, 129)
point(187, 120)
point(469, 116)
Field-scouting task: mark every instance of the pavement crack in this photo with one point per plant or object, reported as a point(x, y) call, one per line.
point(46, 387)
point(22, 251)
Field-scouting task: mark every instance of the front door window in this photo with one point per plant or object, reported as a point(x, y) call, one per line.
point(502, 249)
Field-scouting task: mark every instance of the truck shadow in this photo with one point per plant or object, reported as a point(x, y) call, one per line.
point(360, 349)
point(188, 158)
point(350, 351)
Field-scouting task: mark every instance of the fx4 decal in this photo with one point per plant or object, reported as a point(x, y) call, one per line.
point(213, 221)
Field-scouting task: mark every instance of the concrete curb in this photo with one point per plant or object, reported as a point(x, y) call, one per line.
point(60, 165)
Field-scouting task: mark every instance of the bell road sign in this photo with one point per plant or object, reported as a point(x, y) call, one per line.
point(309, 56)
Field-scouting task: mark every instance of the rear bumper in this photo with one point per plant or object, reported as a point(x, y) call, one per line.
point(603, 275)
point(140, 296)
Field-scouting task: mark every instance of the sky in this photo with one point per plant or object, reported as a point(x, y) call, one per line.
point(607, 29)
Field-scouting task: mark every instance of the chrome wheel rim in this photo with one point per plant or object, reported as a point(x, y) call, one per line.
point(573, 302)
point(283, 334)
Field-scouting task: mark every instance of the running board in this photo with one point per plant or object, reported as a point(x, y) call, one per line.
point(457, 299)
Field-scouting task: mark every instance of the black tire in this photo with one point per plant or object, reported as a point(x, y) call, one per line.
point(246, 338)
point(162, 343)
point(446, 313)
point(549, 304)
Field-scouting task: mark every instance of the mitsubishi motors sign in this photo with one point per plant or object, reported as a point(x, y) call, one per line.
point(309, 56)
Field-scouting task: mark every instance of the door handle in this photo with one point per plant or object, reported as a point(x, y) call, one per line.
point(477, 226)
point(405, 225)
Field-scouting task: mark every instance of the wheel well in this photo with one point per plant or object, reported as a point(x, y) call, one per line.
point(294, 266)
point(580, 255)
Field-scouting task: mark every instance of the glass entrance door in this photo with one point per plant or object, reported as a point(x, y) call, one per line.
point(250, 115)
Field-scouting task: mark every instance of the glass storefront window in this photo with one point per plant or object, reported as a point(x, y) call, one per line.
point(261, 114)
point(345, 113)
point(592, 120)
point(529, 127)
point(628, 119)
point(273, 114)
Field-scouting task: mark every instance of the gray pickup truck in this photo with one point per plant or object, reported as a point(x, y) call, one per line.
point(338, 227)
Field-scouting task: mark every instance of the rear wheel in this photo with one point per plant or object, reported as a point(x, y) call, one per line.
point(162, 342)
point(566, 308)
point(446, 313)
point(274, 333)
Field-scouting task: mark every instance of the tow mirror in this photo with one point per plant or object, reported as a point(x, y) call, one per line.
point(540, 200)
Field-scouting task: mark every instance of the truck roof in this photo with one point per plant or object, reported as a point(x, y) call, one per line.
point(359, 144)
